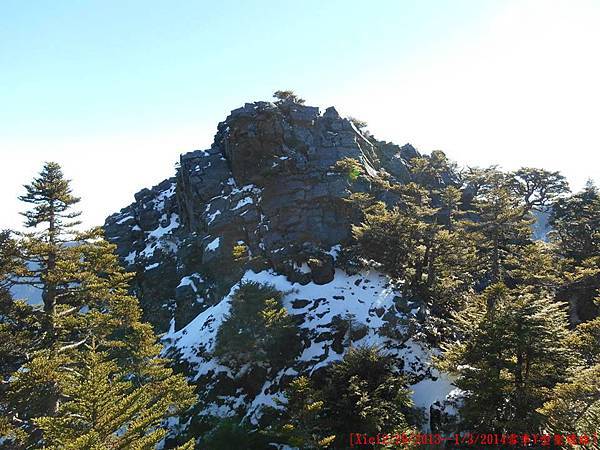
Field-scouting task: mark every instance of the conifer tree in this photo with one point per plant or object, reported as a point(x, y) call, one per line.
point(86, 303)
point(435, 261)
point(304, 424)
point(52, 219)
point(104, 409)
point(538, 188)
point(258, 330)
point(574, 406)
point(501, 223)
point(433, 171)
point(365, 391)
point(287, 95)
point(19, 326)
point(512, 350)
point(19, 322)
point(575, 221)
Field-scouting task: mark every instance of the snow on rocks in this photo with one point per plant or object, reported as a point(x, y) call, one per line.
point(364, 301)
point(214, 244)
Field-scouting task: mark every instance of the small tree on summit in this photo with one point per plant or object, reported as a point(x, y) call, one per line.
point(287, 96)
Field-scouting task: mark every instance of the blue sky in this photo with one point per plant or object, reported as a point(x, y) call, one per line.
point(116, 90)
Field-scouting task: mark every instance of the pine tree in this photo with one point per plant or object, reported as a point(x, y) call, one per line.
point(86, 301)
point(575, 221)
point(365, 391)
point(500, 223)
point(512, 350)
point(304, 424)
point(574, 406)
point(51, 195)
point(104, 409)
point(258, 330)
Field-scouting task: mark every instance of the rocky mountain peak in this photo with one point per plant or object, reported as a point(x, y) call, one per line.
point(268, 186)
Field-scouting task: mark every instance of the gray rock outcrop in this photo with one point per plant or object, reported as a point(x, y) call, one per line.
point(269, 187)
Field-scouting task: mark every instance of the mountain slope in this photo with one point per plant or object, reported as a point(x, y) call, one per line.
point(272, 188)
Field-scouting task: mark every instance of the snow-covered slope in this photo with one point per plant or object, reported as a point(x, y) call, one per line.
point(367, 302)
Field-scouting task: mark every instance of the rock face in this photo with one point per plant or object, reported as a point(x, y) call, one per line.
point(267, 202)
point(268, 185)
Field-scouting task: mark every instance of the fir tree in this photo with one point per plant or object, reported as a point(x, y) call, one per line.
point(53, 221)
point(104, 409)
point(365, 391)
point(86, 301)
point(433, 171)
point(501, 223)
point(304, 424)
point(258, 330)
point(575, 221)
point(435, 261)
point(512, 351)
point(574, 406)
point(19, 322)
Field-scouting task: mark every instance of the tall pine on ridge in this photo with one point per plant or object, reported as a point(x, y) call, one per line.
point(51, 195)
point(91, 328)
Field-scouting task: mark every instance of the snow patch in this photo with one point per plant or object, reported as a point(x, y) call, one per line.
point(243, 202)
point(214, 244)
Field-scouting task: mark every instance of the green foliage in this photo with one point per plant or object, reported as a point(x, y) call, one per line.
point(512, 351)
point(574, 405)
point(304, 424)
point(575, 221)
point(364, 391)
point(88, 331)
point(240, 252)
point(104, 409)
point(258, 330)
point(501, 225)
point(434, 261)
point(350, 167)
point(538, 188)
point(19, 322)
point(232, 432)
point(51, 194)
point(430, 171)
point(287, 96)
point(585, 340)
point(51, 221)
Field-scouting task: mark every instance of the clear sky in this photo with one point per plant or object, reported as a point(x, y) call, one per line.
point(115, 90)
